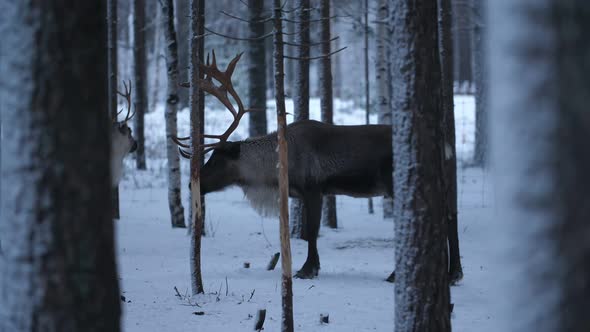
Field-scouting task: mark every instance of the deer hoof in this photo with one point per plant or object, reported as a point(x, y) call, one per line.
point(307, 273)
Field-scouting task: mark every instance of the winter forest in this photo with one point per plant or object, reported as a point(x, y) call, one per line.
point(182, 165)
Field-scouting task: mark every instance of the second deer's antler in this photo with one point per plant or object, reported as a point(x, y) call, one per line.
point(127, 96)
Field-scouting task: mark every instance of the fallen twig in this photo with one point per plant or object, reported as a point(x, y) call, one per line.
point(273, 261)
point(260, 316)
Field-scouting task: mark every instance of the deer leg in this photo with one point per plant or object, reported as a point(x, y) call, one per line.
point(312, 202)
point(455, 269)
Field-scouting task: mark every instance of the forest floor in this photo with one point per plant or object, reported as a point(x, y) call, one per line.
point(356, 257)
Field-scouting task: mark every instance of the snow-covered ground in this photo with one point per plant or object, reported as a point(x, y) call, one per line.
point(153, 258)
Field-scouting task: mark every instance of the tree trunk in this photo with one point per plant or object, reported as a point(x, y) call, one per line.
point(112, 80)
point(283, 165)
point(367, 93)
point(257, 70)
point(301, 101)
point(183, 31)
point(156, 57)
point(59, 271)
point(197, 113)
point(462, 57)
point(481, 77)
point(422, 299)
point(290, 51)
point(140, 96)
point(174, 188)
point(337, 66)
point(449, 155)
point(329, 216)
point(540, 78)
point(382, 82)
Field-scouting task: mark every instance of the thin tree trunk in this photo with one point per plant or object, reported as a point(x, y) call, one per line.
point(112, 80)
point(540, 78)
point(257, 70)
point(367, 94)
point(287, 281)
point(183, 31)
point(155, 95)
point(329, 216)
point(196, 103)
point(422, 299)
point(382, 83)
point(301, 101)
point(200, 44)
point(174, 188)
point(448, 127)
point(289, 50)
point(59, 271)
point(481, 77)
point(140, 95)
point(337, 66)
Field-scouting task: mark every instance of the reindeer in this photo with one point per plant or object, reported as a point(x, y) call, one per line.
point(324, 159)
point(122, 142)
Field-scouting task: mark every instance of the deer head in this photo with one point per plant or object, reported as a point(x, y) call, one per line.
point(221, 168)
point(122, 142)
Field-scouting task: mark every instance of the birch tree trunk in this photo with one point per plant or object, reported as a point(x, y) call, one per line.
point(112, 80)
point(382, 82)
point(59, 271)
point(448, 129)
point(286, 275)
point(422, 299)
point(174, 183)
point(197, 108)
point(257, 69)
point(140, 95)
point(329, 216)
point(539, 84)
point(301, 101)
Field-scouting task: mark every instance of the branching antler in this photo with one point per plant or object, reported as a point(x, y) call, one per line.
point(127, 96)
point(222, 93)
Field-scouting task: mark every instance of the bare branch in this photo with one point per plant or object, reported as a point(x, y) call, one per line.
point(314, 20)
point(239, 38)
point(264, 20)
point(315, 57)
point(311, 44)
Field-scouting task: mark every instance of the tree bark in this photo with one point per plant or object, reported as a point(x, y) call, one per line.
point(183, 30)
point(540, 126)
point(197, 122)
point(140, 96)
point(301, 101)
point(59, 271)
point(422, 299)
point(329, 216)
point(449, 155)
point(112, 80)
point(462, 57)
point(481, 78)
point(367, 92)
point(174, 183)
point(286, 276)
point(257, 70)
point(382, 82)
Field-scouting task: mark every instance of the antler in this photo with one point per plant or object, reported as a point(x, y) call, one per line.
point(221, 93)
point(127, 96)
